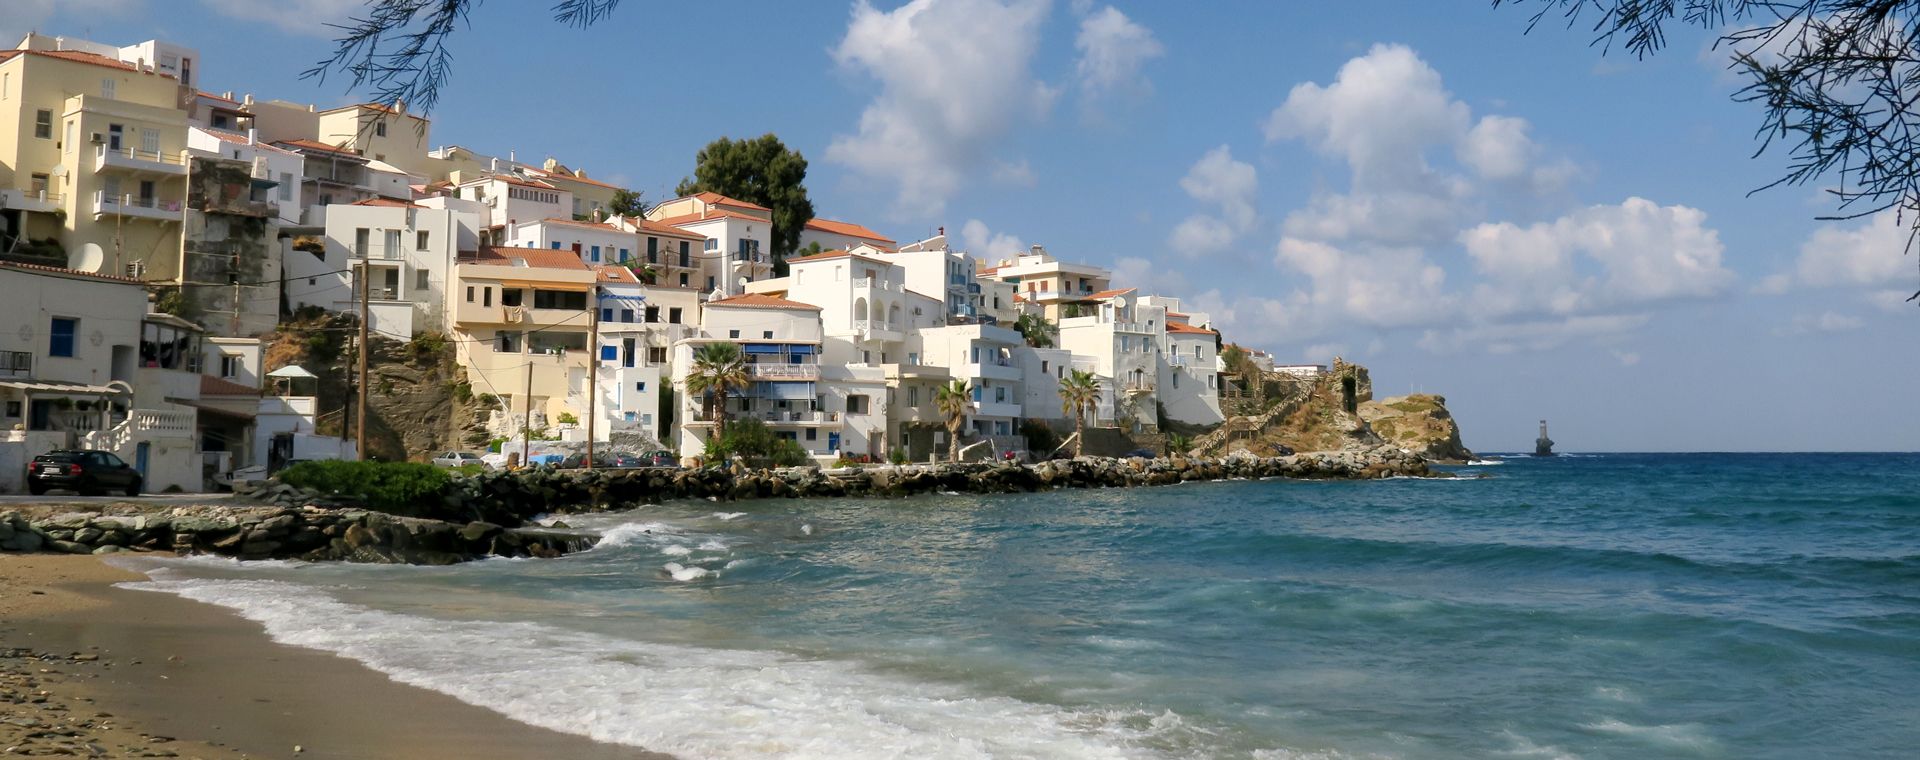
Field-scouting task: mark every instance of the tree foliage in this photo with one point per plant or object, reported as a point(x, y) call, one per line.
point(954, 400)
point(627, 203)
point(1036, 330)
point(718, 369)
point(1079, 394)
point(1838, 82)
point(762, 170)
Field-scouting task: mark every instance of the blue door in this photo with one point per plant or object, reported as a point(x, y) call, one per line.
point(833, 441)
point(140, 458)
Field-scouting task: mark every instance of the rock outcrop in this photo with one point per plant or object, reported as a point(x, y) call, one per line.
point(1419, 423)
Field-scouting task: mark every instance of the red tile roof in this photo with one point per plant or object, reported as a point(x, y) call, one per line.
point(601, 226)
point(387, 202)
point(240, 139)
point(712, 215)
point(214, 386)
point(573, 178)
point(846, 228)
point(73, 272)
point(1106, 294)
point(824, 255)
point(79, 57)
point(662, 228)
point(716, 199)
point(305, 144)
point(761, 301)
point(1182, 327)
point(211, 96)
point(610, 273)
point(544, 258)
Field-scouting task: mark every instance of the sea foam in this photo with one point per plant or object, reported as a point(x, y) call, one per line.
point(692, 702)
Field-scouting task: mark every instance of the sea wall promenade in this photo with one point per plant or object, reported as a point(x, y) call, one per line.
point(488, 514)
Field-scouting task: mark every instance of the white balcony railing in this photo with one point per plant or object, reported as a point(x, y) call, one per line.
point(132, 205)
point(784, 371)
point(31, 200)
point(129, 157)
point(876, 284)
point(378, 252)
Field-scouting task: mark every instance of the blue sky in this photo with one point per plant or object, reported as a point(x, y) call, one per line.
point(1513, 221)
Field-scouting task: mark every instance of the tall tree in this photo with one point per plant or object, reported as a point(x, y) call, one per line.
point(1079, 394)
point(1838, 82)
point(762, 170)
point(1036, 329)
point(953, 400)
point(627, 203)
point(717, 369)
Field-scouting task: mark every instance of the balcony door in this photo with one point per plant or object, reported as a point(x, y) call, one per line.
point(392, 244)
point(361, 238)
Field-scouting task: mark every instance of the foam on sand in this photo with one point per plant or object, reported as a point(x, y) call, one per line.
point(692, 702)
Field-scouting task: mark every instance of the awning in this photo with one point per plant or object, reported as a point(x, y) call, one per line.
point(56, 387)
point(780, 348)
point(215, 410)
point(291, 370)
point(784, 391)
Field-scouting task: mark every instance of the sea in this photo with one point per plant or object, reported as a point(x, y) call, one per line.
point(1581, 606)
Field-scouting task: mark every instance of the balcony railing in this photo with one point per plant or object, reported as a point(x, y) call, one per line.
point(129, 157)
point(799, 416)
point(784, 371)
point(17, 364)
point(378, 251)
point(133, 205)
point(878, 284)
point(31, 200)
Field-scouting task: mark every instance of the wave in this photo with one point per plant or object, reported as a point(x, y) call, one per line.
point(1485, 462)
point(692, 702)
point(1678, 735)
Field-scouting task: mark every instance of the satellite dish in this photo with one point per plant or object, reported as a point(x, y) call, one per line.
point(89, 258)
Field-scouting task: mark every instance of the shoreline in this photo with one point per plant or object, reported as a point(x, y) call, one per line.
point(214, 685)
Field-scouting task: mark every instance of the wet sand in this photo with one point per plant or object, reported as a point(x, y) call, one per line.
point(213, 685)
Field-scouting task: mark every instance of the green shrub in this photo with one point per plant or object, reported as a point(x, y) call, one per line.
point(899, 455)
point(752, 438)
point(567, 418)
point(404, 488)
point(1040, 437)
point(788, 453)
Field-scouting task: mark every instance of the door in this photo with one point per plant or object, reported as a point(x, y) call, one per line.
point(140, 458)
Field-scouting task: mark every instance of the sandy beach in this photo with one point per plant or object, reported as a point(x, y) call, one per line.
point(87, 669)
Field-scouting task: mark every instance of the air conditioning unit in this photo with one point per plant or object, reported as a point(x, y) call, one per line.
point(97, 138)
point(137, 270)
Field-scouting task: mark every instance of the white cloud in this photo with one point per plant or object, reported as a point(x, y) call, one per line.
point(977, 239)
point(1381, 114)
point(1228, 185)
point(1870, 254)
point(954, 77)
point(1626, 358)
point(1113, 48)
point(1539, 335)
point(1324, 353)
point(1136, 272)
point(1015, 173)
point(306, 17)
point(1645, 253)
point(1824, 322)
point(1892, 301)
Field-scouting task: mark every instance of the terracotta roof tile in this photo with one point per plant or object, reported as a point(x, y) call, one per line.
point(1181, 327)
point(574, 178)
point(662, 228)
point(846, 228)
point(387, 202)
point(79, 57)
point(1106, 294)
point(601, 226)
point(305, 144)
point(544, 258)
point(761, 301)
point(716, 199)
point(66, 271)
point(610, 273)
point(711, 216)
point(214, 386)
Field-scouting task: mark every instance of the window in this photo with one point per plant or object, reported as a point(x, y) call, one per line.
point(420, 280)
point(380, 128)
point(609, 353)
point(1043, 366)
point(67, 145)
point(60, 337)
point(286, 186)
point(624, 255)
point(559, 299)
point(1176, 379)
point(709, 282)
point(656, 355)
point(626, 351)
point(107, 89)
point(43, 124)
point(857, 404)
point(596, 255)
point(469, 294)
point(510, 297)
point(40, 184)
point(507, 341)
point(913, 395)
point(1000, 395)
point(685, 257)
point(150, 141)
point(606, 314)
point(767, 334)
point(556, 245)
point(229, 366)
point(420, 240)
point(626, 315)
point(115, 133)
point(712, 244)
point(486, 297)
point(640, 386)
point(653, 314)
point(813, 434)
point(653, 250)
point(683, 279)
point(673, 315)
point(733, 334)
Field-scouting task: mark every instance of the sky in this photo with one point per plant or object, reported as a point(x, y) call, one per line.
point(1512, 220)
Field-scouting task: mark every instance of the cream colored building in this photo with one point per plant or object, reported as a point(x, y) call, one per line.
point(93, 155)
point(390, 135)
point(1057, 287)
point(520, 322)
point(737, 239)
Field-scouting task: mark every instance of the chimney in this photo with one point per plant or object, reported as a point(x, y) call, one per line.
point(399, 106)
point(943, 230)
point(253, 136)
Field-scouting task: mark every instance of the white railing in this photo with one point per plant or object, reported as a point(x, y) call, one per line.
point(879, 284)
point(785, 371)
point(795, 416)
point(124, 203)
point(378, 251)
point(102, 152)
point(161, 422)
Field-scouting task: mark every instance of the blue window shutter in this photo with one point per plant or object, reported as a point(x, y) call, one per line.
point(606, 315)
point(60, 337)
point(609, 353)
point(556, 245)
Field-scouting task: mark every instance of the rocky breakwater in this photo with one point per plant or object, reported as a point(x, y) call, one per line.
point(307, 533)
point(523, 494)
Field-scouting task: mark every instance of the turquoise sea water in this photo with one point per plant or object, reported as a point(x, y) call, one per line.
point(1603, 606)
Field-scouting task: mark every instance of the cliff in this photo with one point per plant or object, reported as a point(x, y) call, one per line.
point(1419, 423)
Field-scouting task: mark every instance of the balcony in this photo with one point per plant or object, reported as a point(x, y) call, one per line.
point(1137, 386)
point(16, 365)
point(241, 207)
point(136, 206)
point(875, 284)
point(31, 200)
point(784, 371)
point(874, 329)
point(136, 160)
point(1132, 327)
point(996, 409)
point(801, 417)
point(993, 370)
point(378, 252)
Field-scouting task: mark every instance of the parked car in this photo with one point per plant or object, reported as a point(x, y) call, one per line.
point(663, 459)
point(87, 472)
point(458, 459)
point(578, 459)
point(628, 460)
point(1139, 454)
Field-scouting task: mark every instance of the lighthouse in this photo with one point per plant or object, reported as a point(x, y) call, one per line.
point(1543, 446)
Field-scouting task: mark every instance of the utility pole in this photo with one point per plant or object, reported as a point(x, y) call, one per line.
point(593, 366)
point(233, 275)
point(526, 428)
point(360, 424)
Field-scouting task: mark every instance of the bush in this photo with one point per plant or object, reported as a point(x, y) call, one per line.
point(1040, 437)
point(402, 488)
point(899, 455)
point(789, 454)
point(752, 438)
point(567, 418)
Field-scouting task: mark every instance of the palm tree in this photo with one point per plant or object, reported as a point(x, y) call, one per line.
point(717, 369)
point(1036, 329)
point(953, 400)
point(1079, 393)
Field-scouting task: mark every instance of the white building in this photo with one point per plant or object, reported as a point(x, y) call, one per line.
point(735, 236)
point(676, 256)
point(840, 236)
point(639, 325)
point(407, 251)
point(511, 199)
point(594, 242)
point(935, 269)
point(1057, 287)
point(985, 357)
point(780, 340)
point(1120, 342)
